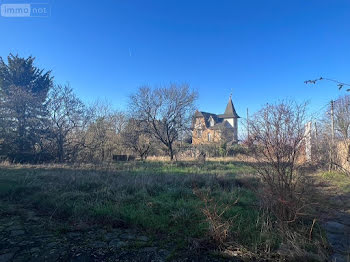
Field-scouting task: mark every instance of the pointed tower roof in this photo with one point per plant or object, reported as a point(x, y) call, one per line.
point(230, 110)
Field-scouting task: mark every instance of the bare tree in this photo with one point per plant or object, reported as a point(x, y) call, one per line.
point(276, 140)
point(100, 140)
point(120, 120)
point(67, 114)
point(166, 110)
point(102, 109)
point(103, 136)
point(136, 137)
point(342, 116)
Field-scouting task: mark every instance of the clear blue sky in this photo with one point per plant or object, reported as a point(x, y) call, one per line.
point(261, 50)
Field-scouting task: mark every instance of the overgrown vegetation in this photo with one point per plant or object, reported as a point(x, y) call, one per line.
point(163, 199)
point(276, 142)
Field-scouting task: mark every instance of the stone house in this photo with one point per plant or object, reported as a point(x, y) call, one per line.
point(209, 128)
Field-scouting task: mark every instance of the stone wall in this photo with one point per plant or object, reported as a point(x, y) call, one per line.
point(200, 137)
point(200, 133)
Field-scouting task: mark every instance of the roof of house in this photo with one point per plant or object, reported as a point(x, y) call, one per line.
point(220, 122)
point(230, 111)
point(222, 125)
point(207, 116)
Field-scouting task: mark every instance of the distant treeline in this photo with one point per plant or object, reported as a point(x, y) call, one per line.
point(41, 121)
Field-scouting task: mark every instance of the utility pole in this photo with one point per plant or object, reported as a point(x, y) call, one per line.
point(332, 142)
point(248, 123)
point(332, 119)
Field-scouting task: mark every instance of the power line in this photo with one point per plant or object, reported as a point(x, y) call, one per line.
point(318, 112)
point(339, 84)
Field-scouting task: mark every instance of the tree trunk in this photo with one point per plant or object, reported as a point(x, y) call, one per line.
point(60, 149)
point(171, 152)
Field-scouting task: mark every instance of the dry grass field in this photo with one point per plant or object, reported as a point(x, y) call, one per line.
point(205, 211)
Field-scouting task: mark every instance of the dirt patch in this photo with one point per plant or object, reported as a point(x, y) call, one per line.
point(335, 210)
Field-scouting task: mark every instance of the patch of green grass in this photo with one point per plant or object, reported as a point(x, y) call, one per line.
point(190, 167)
point(166, 213)
point(341, 180)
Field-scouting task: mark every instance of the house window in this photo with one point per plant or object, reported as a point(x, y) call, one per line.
point(199, 133)
point(209, 137)
point(212, 122)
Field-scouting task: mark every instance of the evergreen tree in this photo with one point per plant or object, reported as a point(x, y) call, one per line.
point(23, 89)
